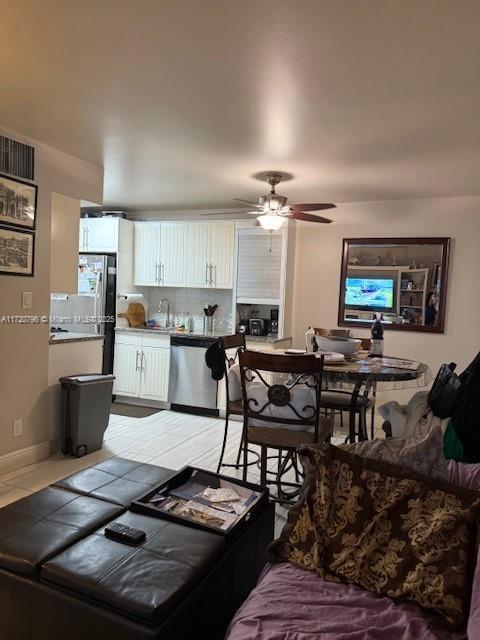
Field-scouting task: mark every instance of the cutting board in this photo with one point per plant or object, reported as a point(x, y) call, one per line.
point(135, 314)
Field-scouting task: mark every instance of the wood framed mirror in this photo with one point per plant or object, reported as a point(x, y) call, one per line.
point(401, 280)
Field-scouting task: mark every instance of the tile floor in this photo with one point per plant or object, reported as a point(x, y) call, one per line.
point(166, 439)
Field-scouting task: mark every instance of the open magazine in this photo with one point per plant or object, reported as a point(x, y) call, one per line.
point(206, 499)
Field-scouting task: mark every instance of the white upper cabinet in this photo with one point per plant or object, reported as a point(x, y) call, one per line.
point(146, 253)
point(173, 245)
point(210, 255)
point(222, 236)
point(184, 254)
point(99, 235)
point(198, 254)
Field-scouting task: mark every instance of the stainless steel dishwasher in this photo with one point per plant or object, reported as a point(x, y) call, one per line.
point(191, 387)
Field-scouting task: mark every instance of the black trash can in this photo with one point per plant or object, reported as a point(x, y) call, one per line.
point(86, 401)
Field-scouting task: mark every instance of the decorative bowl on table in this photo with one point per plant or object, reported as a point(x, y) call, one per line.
point(338, 344)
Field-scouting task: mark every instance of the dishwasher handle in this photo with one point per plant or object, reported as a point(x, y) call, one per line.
point(190, 341)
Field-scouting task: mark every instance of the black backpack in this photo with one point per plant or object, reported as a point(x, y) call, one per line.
point(466, 415)
point(443, 395)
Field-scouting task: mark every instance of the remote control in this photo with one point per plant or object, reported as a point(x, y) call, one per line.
point(122, 533)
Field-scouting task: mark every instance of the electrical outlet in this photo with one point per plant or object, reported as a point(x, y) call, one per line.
point(26, 299)
point(18, 428)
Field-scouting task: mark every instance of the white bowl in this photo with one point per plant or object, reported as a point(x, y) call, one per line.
point(347, 346)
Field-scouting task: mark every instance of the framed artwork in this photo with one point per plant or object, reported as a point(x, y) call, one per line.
point(17, 249)
point(18, 203)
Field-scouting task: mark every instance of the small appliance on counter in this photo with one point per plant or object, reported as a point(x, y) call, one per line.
point(244, 327)
point(259, 326)
point(273, 325)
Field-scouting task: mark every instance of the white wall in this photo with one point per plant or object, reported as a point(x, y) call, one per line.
point(24, 348)
point(317, 271)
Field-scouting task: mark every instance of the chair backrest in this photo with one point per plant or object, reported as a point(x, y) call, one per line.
point(293, 400)
point(236, 341)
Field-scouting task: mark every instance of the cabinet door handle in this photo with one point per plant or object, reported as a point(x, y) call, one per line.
point(137, 367)
point(162, 273)
point(142, 361)
point(206, 273)
point(157, 270)
point(213, 274)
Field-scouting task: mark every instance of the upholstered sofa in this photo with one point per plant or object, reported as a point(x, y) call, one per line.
point(290, 603)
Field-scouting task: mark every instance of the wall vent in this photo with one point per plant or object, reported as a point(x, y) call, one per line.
point(17, 159)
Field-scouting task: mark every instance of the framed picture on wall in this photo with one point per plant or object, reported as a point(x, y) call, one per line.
point(18, 203)
point(17, 249)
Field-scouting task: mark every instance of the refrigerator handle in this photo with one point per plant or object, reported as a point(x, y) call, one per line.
point(97, 299)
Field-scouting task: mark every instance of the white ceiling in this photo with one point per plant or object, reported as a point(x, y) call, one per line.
point(183, 101)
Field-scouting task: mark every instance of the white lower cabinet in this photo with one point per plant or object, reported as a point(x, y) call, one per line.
point(126, 370)
point(155, 370)
point(141, 366)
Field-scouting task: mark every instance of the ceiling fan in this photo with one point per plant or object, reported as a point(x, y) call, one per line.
point(272, 209)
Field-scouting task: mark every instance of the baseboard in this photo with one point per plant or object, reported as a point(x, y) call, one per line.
point(22, 457)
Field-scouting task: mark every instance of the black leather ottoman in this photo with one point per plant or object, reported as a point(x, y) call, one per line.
point(116, 480)
point(61, 578)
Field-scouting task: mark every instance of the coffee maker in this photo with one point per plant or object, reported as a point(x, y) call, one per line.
point(273, 324)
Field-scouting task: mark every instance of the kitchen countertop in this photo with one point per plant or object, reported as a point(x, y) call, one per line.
point(71, 336)
point(215, 334)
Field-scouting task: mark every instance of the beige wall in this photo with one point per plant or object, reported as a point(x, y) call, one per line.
point(317, 271)
point(24, 348)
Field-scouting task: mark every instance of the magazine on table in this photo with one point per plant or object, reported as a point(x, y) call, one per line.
point(206, 499)
point(391, 363)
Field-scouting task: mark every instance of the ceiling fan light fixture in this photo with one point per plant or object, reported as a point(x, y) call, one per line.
point(271, 222)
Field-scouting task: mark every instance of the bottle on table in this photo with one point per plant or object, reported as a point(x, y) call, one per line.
point(376, 348)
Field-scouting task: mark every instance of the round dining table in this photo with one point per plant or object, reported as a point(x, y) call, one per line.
point(363, 375)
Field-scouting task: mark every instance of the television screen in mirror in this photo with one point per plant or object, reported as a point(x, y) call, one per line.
point(401, 280)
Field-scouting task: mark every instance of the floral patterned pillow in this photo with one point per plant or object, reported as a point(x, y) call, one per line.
point(369, 523)
point(423, 455)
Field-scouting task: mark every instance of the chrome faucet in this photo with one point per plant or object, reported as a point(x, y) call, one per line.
point(159, 310)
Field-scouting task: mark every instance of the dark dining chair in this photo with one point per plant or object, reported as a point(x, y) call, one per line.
point(353, 402)
point(235, 406)
point(281, 410)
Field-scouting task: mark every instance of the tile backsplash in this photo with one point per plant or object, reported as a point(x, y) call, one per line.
point(184, 299)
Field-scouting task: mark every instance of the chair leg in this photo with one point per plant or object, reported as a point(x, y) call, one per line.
point(245, 457)
point(372, 417)
point(239, 454)
point(362, 425)
point(351, 426)
point(263, 466)
point(225, 434)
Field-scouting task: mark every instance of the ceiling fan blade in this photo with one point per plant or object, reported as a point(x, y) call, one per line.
point(313, 206)
point(308, 217)
point(250, 204)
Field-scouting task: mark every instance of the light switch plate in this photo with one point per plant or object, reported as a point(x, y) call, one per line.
point(18, 428)
point(26, 299)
